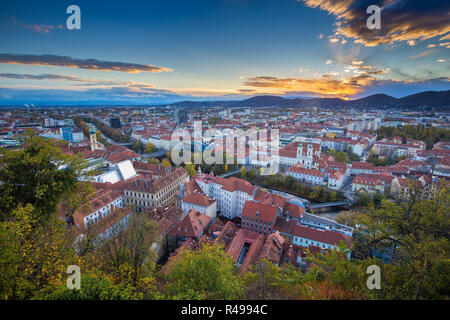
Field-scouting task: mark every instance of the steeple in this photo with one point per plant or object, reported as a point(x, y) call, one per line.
point(93, 139)
point(300, 150)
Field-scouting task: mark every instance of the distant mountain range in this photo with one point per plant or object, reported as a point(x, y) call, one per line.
point(439, 99)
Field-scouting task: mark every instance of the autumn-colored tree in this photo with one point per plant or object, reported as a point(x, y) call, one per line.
point(150, 148)
point(138, 146)
point(261, 281)
point(39, 174)
point(96, 286)
point(166, 162)
point(153, 160)
point(127, 255)
point(206, 274)
point(190, 168)
point(347, 217)
point(33, 255)
point(418, 230)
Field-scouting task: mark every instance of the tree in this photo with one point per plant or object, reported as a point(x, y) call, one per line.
point(98, 135)
point(347, 217)
point(138, 146)
point(206, 274)
point(33, 256)
point(261, 281)
point(364, 199)
point(39, 174)
point(226, 167)
point(341, 156)
point(328, 263)
point(150, 148)
point(94, 286)
point(166, 162)
point(353, 156)
point(153, 160)
point(190, 168)
point(418, 230)
point(243, 173)
point(128, 257)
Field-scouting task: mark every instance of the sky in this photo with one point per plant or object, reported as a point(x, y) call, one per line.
point(158, 52)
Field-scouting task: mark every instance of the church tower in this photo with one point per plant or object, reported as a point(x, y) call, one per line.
point(93, 139)
point(310, 150)
point(300, 150)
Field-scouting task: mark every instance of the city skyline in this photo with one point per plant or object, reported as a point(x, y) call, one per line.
point(160, 52)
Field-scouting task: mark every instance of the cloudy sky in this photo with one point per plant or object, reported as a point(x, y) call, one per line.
point(153, 52)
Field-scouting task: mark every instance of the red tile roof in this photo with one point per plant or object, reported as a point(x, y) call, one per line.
point(192, 225)
point(198, 199)
point(326, 236)
point(309, 172)
point(260, 211)
point(367, 181)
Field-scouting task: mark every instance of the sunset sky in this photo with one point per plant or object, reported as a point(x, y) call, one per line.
point(154, 52)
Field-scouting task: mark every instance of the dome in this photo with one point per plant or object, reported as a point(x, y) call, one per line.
point(92, 130)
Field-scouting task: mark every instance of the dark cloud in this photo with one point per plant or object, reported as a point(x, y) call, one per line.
point(401, 20)
point(45, 76)
point(90, 64)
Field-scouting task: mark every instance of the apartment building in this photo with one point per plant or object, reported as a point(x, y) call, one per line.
point(311, 176)
point(259, 217)
point(157, 191)
point(230, 193)
point(199, 202)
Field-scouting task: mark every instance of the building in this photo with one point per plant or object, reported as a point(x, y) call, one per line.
point(311, 176)
point(305, 236)
point(303, 152)
point(164, 218)
point(122, 171)
point(259, 217)
point(68, 134)
point(100, 217)
point(181, 116)
point(367, 184)
point(397, 149)
point(230, 193)
point(201, 203)
point(93, 139)
point(157, 191)
point(192, 226)
point(115, 123)
point(336, 180)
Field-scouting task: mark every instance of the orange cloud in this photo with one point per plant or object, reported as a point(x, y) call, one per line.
point(325, 86)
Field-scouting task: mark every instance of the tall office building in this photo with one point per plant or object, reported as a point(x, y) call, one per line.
point(180, 116)
point(66, 134)
point(115, 123)
point(71, 135)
